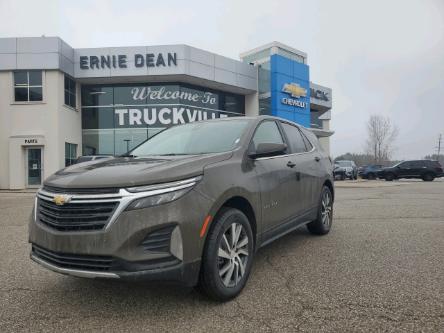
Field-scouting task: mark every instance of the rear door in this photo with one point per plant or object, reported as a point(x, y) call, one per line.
point(301, 185)
point(418, 168)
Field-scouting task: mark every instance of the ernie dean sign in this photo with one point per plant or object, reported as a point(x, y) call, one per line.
point(161, 59)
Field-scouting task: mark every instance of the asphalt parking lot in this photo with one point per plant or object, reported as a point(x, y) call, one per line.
point(381, 268)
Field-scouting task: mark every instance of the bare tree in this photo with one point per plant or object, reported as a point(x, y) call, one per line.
point(381, 137)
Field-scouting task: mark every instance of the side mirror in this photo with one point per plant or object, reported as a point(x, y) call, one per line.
point(268, 150)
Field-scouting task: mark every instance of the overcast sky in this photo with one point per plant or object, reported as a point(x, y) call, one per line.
point(379, 56)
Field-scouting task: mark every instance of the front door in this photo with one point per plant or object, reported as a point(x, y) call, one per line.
point(405, 169)
point(34, 167)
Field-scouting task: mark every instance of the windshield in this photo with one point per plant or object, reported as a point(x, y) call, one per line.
point(344, 163)
point(194, 138)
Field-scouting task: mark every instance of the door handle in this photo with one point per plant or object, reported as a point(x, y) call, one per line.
point(317, 159)
point(290, 164)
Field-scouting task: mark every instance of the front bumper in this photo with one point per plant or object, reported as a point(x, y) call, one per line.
point(123, 241)
point(185, 274)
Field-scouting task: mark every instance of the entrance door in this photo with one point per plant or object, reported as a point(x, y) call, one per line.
point(34, 167)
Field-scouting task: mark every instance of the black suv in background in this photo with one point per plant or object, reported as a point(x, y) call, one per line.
point(370, 171)
point(426, 170)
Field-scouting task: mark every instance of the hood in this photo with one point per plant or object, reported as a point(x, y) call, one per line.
point(128, 171)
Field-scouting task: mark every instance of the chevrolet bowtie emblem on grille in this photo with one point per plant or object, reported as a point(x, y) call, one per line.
point(294, 89)
point(60, 200)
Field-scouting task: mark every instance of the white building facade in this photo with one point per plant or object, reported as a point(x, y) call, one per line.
point(58, 103)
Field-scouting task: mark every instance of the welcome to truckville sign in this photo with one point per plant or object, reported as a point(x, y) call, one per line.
point(168, 105)
point(163, 116)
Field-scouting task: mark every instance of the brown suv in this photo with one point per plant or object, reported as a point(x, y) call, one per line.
point(192, 204)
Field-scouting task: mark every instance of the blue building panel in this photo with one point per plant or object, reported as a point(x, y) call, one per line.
point(290, 90)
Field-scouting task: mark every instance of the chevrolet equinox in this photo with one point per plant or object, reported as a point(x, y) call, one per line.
point(191, 204)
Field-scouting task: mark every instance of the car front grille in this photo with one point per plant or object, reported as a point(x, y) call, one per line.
point(73, 261)
point(79, 216)
point(108, 190)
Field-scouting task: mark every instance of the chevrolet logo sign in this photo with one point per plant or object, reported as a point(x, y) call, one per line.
point(60, 200)
point(294, 89)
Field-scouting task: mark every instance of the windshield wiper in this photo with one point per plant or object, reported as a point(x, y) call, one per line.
point(128, 155)
point(172, 154)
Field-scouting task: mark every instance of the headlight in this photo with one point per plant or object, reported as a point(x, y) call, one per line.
point(152, 195)
point(165, 187)
point(157, 199)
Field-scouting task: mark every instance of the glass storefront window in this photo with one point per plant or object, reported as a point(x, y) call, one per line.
point(257, 56)
point(264, 83)
point(70, 153)
point(265, 106)
point(98, 141)
point(116, 118)
point(126, 139)
point(290, 55)
point(97, 95)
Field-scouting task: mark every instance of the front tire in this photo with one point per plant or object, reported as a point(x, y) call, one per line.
point(228, 255)
point(389, 177)
point(323, 222)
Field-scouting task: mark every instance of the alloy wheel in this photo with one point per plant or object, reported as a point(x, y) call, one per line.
point(233, 255)
point(326, 208)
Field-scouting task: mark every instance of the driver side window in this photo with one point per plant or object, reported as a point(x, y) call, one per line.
point(267, 132)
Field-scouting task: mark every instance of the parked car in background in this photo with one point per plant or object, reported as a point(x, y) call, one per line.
point(338, 172)
point(426, 170)
point(361, 169)
point(192, 204)
point(351, 170)
point(371, 171)
point(88, 158)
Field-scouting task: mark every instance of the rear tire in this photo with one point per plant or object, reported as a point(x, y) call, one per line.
point(428, 177)
point(228, 255)
point(371, 176)
point(322, 224)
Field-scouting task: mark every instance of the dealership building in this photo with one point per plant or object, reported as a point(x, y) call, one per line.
point(59, 102)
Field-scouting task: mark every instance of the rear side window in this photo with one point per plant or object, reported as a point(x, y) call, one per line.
point(307, 141)
point(417, 164)
point(433, 164)
point(405, 165)
point(295, 139)
point(267, 132)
